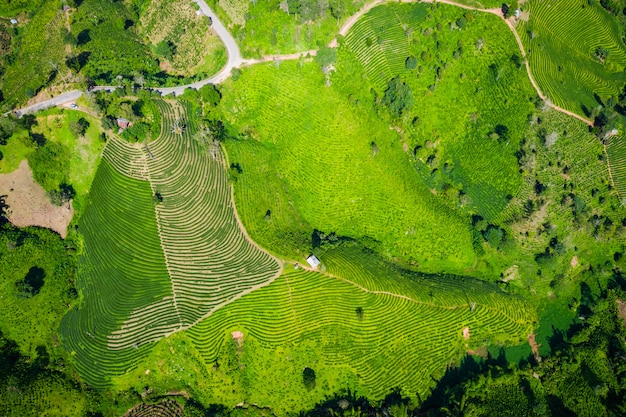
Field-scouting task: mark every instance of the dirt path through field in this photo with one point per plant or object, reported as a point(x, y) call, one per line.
point(29, 205)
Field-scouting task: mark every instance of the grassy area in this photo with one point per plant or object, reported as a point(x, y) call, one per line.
point(55, 126)
point(17, 149)
point(197, 48)
point(271, 27)
point(562, 39)
point(350, 337)
point(38, 51)
point(31, 318)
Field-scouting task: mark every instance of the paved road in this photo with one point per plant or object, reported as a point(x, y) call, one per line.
point(236, 61)
point(234, 55)
point(55, 101)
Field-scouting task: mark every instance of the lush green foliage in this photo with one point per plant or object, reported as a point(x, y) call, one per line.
point(31, 321)
point(37, 54)
point(562, 50)
point(306, 319)
point(284, 26)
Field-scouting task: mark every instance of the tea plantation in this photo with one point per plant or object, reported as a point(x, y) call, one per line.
point(134, 294)
point(470, 236)
point(356, 325)
point(562, 39)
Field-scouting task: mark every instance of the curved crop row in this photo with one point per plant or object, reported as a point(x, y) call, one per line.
point(561, 38)
point(388, 340)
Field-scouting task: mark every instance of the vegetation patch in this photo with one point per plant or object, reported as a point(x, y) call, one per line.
point(182, 38)
point(574, 50)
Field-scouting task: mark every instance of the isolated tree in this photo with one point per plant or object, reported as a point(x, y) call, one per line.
point(166, 49)
point(359, 313)
point(506, 10)
point(326, 56)
point(79, 127)
point(308, 378)
point(410, 63)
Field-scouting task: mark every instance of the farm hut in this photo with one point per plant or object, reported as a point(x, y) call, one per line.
point(123, 123)
point(313, 261)
point(14, 21)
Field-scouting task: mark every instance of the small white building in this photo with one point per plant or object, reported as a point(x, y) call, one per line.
point(14, 21)
point(313, 261)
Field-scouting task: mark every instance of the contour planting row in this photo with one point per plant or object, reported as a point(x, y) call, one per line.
point(128, 159)
point(561, 38)
point(209, 258)
point(616, 149)
point(380, 40)
point(121, 271)
point(387, 340)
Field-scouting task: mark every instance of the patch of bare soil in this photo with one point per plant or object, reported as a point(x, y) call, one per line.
point(29, 205)
point(621, 309)
point(237, 337)
point(532, 341)
point(466, 333)
point(574, 262)
point(481, 351)
point(511, 273)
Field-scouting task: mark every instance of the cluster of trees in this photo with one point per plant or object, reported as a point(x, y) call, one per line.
point(134, 105)
point(308, 10)
point(398, 97)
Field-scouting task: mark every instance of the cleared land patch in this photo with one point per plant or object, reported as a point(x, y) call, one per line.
point(197, 48)
point(29, 204)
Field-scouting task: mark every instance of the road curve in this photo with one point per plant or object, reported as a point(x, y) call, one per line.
point(234, 55)
point(236, 61)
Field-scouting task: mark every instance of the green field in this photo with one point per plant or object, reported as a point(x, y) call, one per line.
point(561, 38)
point(311, 319)
point(189, 240)
point(616, 150)
point(316, 154)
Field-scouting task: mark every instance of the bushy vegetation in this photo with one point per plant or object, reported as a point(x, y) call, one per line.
point(283, 26)
point(181, 37)
point(35, 57)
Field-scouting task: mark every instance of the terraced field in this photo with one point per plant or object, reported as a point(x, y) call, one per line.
point(193, 257)
point(616, 150)
point(561, 37)
point(395, 341)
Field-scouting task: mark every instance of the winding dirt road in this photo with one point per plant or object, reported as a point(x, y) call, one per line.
point(236, 61)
